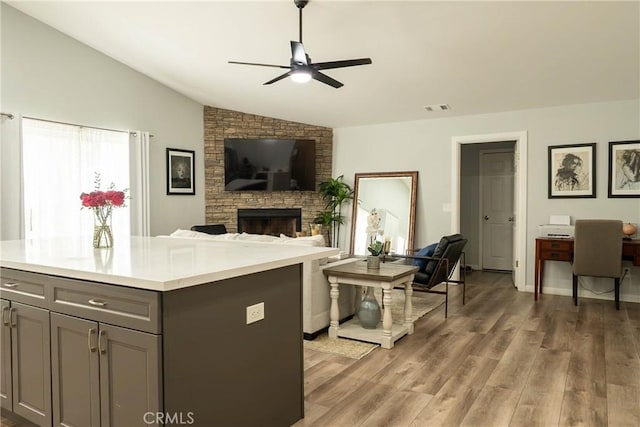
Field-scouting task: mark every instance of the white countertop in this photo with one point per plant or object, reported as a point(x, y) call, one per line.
point(154, 263)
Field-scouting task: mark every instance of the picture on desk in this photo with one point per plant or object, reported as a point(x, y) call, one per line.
point(624, 169)
point(572, 171)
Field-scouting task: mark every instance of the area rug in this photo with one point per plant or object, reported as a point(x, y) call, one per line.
point(423, 303)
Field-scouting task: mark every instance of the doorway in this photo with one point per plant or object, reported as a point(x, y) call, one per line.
point(519, 221)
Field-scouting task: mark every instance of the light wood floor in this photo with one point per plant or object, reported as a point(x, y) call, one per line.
point(500, 360)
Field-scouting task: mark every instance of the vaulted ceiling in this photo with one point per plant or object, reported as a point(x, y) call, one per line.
point(478, 57)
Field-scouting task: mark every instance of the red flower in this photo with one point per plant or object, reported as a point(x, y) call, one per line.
point(103, 199)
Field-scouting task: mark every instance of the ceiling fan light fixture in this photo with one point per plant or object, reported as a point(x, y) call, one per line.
point(301, 76)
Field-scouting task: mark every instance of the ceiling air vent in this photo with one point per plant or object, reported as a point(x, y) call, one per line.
point(437, 107)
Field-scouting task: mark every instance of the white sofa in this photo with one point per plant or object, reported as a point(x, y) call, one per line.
point(315, 287)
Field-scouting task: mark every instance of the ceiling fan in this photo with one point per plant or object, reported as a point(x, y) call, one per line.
point(301, 69)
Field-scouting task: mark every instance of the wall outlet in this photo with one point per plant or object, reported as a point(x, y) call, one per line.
point(255, 312)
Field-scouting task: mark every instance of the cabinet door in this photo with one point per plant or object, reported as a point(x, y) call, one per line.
point(75, 373)
point(31, 363)
point(5, 359)
point(130, 376)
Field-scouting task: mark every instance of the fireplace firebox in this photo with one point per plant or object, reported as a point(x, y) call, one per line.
point(270, 221)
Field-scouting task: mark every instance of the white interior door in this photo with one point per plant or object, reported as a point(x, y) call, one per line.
point(496, 180)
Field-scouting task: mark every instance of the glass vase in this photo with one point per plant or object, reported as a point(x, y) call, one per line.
point(102, 236)
point(369, 312)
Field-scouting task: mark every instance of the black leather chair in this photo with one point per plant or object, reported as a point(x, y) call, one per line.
point(439, 267)
point(210, 229)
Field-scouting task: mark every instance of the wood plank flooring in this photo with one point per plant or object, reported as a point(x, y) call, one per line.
point(500, 360)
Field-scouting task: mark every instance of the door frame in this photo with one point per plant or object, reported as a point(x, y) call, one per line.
point(481, 199)
point(520, 155)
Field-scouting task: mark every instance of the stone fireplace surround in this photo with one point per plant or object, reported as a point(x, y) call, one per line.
point(221, 207)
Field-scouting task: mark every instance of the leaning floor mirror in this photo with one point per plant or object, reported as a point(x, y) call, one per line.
point(393, 196)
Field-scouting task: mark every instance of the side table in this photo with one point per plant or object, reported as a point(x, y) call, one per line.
point(386, 278)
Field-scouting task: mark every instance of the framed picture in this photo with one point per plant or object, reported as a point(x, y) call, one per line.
point(624, 169)
point(181, 178)
point(572, 171)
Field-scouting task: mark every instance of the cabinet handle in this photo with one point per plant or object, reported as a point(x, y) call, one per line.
point(9, 285)
point(97, 302)
point(102, 349)
point(12, 321)
point(5, 319)
point(91, 332)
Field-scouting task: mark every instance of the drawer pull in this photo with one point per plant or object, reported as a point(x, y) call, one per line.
point(554, 255)
point(9, 285)
point(97, 302)
point(91, 332)
point(102, 333)
point(555, 245)
point(5, 319)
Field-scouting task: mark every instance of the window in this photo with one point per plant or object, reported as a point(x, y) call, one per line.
point(59, 161)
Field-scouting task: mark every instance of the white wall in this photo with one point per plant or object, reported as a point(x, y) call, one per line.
point(48, 75)
point(426, 146)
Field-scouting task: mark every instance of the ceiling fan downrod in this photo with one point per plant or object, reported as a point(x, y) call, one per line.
point(300, 4)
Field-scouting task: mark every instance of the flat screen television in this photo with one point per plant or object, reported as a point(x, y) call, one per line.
point(269, 164)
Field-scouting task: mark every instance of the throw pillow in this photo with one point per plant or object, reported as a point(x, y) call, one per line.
point(426, 251)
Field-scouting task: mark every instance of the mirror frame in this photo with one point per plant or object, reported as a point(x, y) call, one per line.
point(412, 208)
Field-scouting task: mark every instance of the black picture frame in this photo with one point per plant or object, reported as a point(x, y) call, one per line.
point(181, 177)
point(624, 169)
point(572, 171)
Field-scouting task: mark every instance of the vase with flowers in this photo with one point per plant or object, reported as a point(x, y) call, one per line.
point(102, 204)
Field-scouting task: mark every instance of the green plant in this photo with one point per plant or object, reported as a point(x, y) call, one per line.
point(376, 248)
point(335, 192)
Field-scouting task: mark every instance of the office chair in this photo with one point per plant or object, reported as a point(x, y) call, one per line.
point(597, 252)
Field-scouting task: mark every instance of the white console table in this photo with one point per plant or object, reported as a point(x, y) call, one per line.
point(386, 278)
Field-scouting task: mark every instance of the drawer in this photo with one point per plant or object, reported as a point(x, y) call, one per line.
point(118, 305)
point(556, 255)
point(25, 287)
point(555, 245)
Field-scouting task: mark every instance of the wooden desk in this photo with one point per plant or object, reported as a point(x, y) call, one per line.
point(387, 277)
point(554, 249)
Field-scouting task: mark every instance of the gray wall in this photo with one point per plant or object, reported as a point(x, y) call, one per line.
point(48, 75)
point(426, 146)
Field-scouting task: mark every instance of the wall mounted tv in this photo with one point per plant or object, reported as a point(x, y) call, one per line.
point(269, 164)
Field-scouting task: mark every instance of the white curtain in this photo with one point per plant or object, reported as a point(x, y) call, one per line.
point(59, 163)
point(139, 172)
point(10, 176)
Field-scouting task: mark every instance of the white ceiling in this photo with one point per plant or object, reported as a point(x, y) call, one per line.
point(478, 57)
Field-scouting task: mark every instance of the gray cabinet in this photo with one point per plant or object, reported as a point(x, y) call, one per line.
point(103, 374)
point(6, 397)
point(30, 393)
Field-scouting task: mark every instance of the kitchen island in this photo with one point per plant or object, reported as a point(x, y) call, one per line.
point(153, 331)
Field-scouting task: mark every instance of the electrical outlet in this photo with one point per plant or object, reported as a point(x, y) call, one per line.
point(255, 313)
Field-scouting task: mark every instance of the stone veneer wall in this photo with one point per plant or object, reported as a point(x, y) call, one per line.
point(220, 205)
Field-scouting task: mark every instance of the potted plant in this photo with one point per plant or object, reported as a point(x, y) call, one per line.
point(335, 192)
point(375, 249)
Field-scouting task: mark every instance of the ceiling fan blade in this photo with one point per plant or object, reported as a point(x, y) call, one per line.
point(260, 65)
point(285, 75)
point(341, 64)
point(298, 55)
point(317, 75)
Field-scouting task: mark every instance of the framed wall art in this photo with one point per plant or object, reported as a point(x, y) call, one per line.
point(624, 169)
point(181, 178)
point(572, 171)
